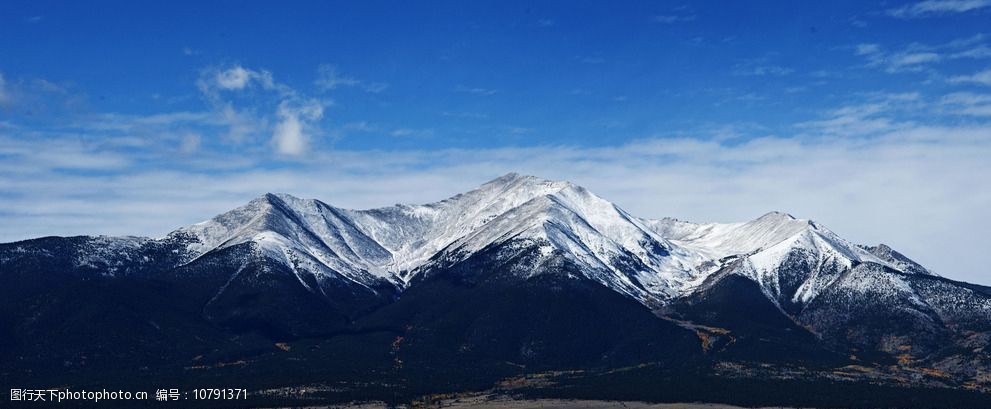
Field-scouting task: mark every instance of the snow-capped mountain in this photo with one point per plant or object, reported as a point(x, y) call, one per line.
point(393, 243)
point(521, 271)
point(761, 250)
point(652, 261)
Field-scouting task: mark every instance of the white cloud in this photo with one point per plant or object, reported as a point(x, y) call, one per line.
point(37, 96)
point(288, 136)
point(189, 143)
point(295, 118)
point(981, 51)
point(868, 49)
point(966, 103)
point(466, 115)
point(919, 57)
point(238, 77)
point(907, 59)
point(212, 81)
point(67, 153)
point(291, 134)
point(937, 7)
point(870, 118)
point(671, 19)
point(5, 98)
point(240, 125)
point(374, 87)
point(983, 78)
point(360, 126)
point(401, 132)
point(759, 67)
point(328, 78)
point(133, 123)
point(484, 92)
point(680, 14)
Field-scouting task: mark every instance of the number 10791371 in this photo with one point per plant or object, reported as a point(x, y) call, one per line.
point(220, 394)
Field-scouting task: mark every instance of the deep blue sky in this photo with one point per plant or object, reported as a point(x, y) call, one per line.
point(555, 70)
point(872, 117)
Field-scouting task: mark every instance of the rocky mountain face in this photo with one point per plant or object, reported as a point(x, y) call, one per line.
point(520, 276)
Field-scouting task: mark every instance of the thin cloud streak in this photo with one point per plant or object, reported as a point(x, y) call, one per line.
point(930, 8)
point(982, 78)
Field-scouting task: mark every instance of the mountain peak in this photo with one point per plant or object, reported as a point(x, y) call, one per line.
point(508, 179)
point(284, 197)
point(899, 260)
point(777, 215)
point(511, 176)
point(517, 180)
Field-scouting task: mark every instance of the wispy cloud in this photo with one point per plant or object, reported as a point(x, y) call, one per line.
point(5, 98)
point(292, 133)
point(405, 132)
point(329, 78)
point(680, 14)
point(360, 126)
point(967, 103)
point(190, 142)
point(38, 96)
point(919, 57)
point(237, 77)
point(930, 8)
point(868, 118)
point(476, 91)
point(760, 67)
point(296, 117)
point(905, 60)
point(592, 60)
point(671, 18)
point(466, 115)
point(982, 77)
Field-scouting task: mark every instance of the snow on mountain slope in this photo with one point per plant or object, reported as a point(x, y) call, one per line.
point(792, 259)
point(615, 248)
point(295, 232)
point(718, 240)
point(414, 233)
point(897, 259)
point(823, 255)
point(650, 260)
point(110, 254)
point(384, 243)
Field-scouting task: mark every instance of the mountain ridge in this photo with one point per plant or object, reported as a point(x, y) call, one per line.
point(391, 243)
point(518, 273)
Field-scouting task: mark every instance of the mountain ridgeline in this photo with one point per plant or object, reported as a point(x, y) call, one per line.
point(523, 286)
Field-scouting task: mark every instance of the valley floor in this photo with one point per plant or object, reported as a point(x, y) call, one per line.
point(491, 402)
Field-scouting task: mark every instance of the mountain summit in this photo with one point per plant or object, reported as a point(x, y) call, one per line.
point(521, 274)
